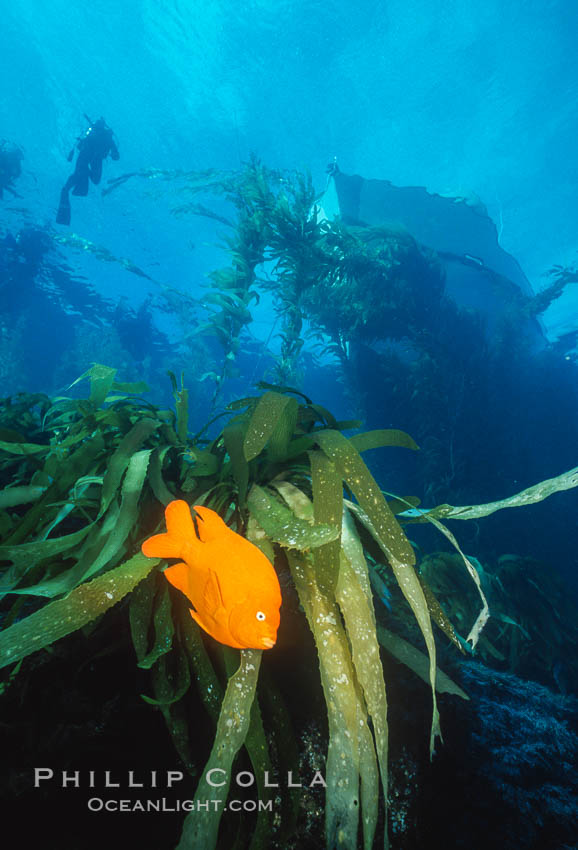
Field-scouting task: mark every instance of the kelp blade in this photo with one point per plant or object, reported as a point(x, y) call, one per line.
point(337, 677)
point(358, 477)
point(283, 526)
point(382, 437)
point(327, 508)
point(269, 410)
point(258, 751)
point(201, 827)
point(60, 618)
point(356, 602)
point(417, 661)
point(390, 537)
point(529, 496)
point(341, 669)
point(484, 614)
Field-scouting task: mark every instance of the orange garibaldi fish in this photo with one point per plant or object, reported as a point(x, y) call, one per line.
point(230, 582)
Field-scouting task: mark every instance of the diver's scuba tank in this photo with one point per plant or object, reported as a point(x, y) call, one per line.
point(90, 122)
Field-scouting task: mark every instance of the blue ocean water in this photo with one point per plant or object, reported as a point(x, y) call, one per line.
point(466, 101)
point(471, 101)
point(459, 98)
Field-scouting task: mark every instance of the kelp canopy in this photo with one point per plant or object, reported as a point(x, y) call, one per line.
point(85, 481)
point(351, 283)
point(371, 297)
point(376, 301)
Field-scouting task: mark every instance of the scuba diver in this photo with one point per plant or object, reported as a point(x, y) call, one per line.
point(10, 167)
point(93, 148)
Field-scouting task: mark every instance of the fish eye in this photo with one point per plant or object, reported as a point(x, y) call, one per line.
point(260, 615)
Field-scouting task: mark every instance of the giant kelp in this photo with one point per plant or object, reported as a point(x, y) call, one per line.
point(54, 318)
point(376, 299)
point(85, 480)
point(351, 283)
point(532, 631)
point(279, 471)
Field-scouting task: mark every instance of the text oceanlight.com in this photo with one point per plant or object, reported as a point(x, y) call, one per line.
point(98, 804)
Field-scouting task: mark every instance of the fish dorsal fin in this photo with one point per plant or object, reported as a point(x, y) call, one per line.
point(212, 594)
point(179, 576)
point(209, 524)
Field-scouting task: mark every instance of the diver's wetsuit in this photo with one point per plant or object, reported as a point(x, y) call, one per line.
point(93, 148)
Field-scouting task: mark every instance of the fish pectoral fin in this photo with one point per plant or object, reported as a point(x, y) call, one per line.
point(179, 576)
point(217, 630)
point(212, 595)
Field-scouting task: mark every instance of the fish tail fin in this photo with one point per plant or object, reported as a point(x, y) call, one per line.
point(209, 523)
point(162, 546)
point(180, 533)
point(179, 520)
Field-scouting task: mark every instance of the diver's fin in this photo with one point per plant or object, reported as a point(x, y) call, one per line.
point(179, 576)
point(63, 214)
point(209, 524)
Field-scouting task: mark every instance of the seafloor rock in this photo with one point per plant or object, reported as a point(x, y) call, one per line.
point(506, 775)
